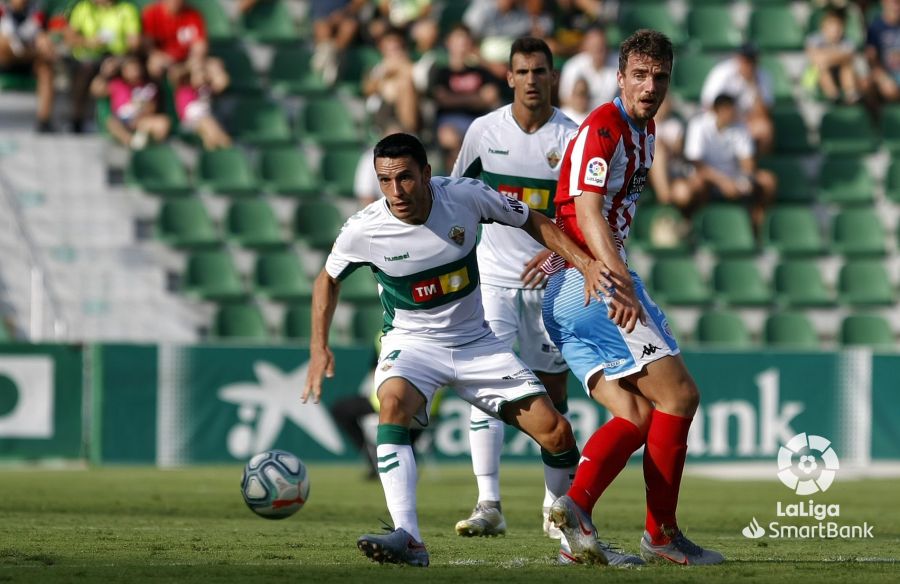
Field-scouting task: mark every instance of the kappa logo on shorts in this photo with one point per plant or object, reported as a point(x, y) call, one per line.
point(432, 288)
point(595, 172)
point(650, 349)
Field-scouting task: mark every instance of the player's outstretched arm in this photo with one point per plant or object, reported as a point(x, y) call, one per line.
point(596, 272)
point(532, 275)
point(625, 310)
point(321, 359)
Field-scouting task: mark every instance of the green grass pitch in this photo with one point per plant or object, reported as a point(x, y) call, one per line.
point(141, 525)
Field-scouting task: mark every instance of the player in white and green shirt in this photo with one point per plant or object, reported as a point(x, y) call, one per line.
point(517, 150)
point(420, 244)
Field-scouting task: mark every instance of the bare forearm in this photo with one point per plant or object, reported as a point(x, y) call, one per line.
point(598, 235)
point(324, 302)
point(545, 232)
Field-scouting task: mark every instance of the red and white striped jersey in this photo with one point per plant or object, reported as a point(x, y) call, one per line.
point(609, 156)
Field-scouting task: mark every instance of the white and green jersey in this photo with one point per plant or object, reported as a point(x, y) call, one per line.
point(427, 274)
point(519, 165)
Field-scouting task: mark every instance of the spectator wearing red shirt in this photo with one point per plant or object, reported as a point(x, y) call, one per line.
point(175, 35)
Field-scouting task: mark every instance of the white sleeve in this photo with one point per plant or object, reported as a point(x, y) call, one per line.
point(567, 79)
point(693, 141)
point(468, 162)
point(345, 255)
point(743, 143)
point(496, 208)
point(714, 84)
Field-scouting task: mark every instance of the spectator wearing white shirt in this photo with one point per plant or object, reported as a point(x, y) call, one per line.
point(722, 153)
point(751, 87)
point(592, 65)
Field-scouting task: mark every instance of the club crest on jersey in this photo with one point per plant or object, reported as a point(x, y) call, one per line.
point(432, 288)
point(457, 234)
point(595, 172)
point(553, 158)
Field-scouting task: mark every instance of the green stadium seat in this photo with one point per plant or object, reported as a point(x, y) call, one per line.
point(722, 329)
point(791, 133)
point(793, 230)
point(774, 28)
point(260, 122)
point(368, 323)
point(677, 281)
point(240, 322)
point(355, 66)
point(790, 330)
point(269, 21)
point(794, 186)
point(799, 283)
point(858, 232)
point(244, 79)
point(328, 122)
point(845, 180)
point(712, 28)
point(690, 73)
point(866, 283)
point(847, 130)
point(360, 287)
point(228, 172)
point(184, 223)
point(725, 229)
point(158, 170)
point(16, 81)
point(337, 169)
point(297, 322)
point(278, 275)
point(890, 127)
point(782, 85)
point(659, 230)
point(291, 72)
point(218, 25)
point(211, 275)
point(867, 329)
point(317, 223)
point(253, 224)
point(284, 171)
point(740, 283)
point(892, 181)
point(656, 17)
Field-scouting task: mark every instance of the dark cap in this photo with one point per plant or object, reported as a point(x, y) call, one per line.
point(749, 50)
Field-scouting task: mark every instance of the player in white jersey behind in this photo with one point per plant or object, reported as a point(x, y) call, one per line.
point(517, 150)
point(420, 244)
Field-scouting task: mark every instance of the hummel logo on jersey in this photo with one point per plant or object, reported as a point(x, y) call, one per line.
point(604, 133)
point(649, 349)
point(403, 256)
point(436, 287)
point(502, 152)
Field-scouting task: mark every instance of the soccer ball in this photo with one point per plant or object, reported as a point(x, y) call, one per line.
point(275, 484)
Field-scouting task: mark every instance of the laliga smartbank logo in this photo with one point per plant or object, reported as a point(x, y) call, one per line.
point(807, 465)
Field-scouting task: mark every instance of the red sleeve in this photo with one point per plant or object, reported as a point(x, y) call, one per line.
point(593, 151)
point(148, 21)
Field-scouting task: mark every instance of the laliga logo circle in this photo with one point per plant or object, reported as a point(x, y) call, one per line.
point(807, 464)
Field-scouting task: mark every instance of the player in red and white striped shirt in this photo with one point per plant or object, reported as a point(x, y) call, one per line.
point(622, 350)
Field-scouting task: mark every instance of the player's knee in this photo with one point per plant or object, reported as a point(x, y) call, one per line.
point(686, 397)
point(559, 437)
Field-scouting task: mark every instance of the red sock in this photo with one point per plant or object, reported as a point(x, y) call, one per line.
point(663, 464)
point(602, 459)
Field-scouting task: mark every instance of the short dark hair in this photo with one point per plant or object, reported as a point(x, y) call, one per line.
point(400, 145)
point(723, 100)
point(529, 45)
point(649, 43)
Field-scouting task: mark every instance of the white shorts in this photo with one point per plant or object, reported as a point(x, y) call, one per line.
point(515, 317)
point(485, 373)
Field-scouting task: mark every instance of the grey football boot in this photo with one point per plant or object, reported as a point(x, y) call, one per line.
point(485, 520)
point(396, 547)
point(578, 531)
point(679, 550)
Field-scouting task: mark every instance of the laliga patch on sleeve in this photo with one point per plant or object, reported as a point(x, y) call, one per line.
point(595, 172)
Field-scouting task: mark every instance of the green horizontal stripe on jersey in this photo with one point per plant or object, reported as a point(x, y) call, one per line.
point(397, 291)
point(495, 179)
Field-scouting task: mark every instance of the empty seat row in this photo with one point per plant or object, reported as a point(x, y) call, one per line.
point(245, 322)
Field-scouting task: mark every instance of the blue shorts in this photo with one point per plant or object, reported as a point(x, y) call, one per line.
point(591, 342)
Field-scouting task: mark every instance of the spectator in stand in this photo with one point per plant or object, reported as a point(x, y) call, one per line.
point(751, 87)
point(571, 20)
point(134, 102)
point(592, 65)
point(391, 95)
point(97, 29)
point(193, 106)
point(335, 26)
point(462, 90)
point(721, 151)
point(668, 160)
point(577, 105)
point(26, 47)
point(831, 56)
point(175, 39)
point(497, 23)
point(883, 52)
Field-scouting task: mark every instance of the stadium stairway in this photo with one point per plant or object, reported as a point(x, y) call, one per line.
point(83, 232)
